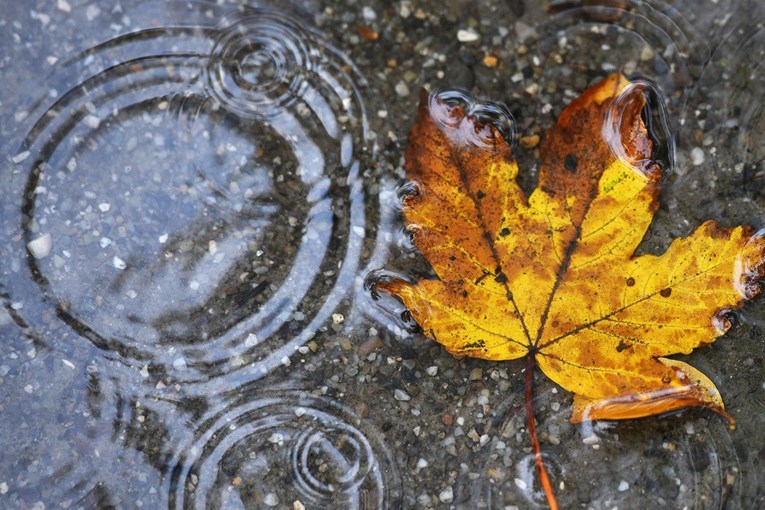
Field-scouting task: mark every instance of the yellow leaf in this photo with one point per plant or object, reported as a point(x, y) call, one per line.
point(552, 276)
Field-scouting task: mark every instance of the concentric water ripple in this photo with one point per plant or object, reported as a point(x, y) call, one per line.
point(683, 461)
point(731, 85)
point(280, 448)
point(649, 39)
point(197, 208)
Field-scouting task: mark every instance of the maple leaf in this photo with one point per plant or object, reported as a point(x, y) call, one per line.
point(553, 276)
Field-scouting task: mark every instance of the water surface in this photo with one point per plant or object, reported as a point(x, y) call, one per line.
point(194, 194)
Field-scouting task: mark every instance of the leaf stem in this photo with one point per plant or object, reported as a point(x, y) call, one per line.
point(543, 477)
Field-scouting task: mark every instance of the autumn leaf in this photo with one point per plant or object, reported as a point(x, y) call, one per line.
point(553, 276)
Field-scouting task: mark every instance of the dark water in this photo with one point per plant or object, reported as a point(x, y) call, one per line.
point(193, 195)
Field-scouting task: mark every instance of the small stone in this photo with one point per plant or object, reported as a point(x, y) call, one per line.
point(401, 395)
point(271, 499)
point(490, 61)
point(3, 488)
point(298, 505)
point(251, 340)
point(369, 346)
point(402, 89)
point(104, 207)
point(237, 481)
point(529, 142)
point(647, 53)
point(118, 263)
point(520, 484)
point(476, 374)
point(422, 463)
point(447, 419)
point(337, 318)
point(40, 247)
point(467, 35)
point(591, 440)
point(362, 409)
point(179, 363)
point(21, 156)
point(369, 14)
point(64, 6)
point(624, 486)
point(92, 12)
point(431, 370)
point(346, 344)
point(697, 156)
point(446, 495)
point(91, 121)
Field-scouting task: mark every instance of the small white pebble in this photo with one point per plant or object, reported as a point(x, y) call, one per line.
point(286, 361)
point(118, 263)
point(194, 285)
point(145, 371)
point(3, 488)
point(697, 156)
point(467, 35)
point(337, 318)
point(422, 463)
point(163, 239)
point(520, 484)
point(179, 363)
point(401, 395)
point(40, 247)
point(431, 370)
point(402, 89)
point(446, 495)
point(271, 499)
point(624, 486)
point(593, 439)
point(104, 242)
point(91, 121)
point(68, 363)
point(104, 207)
point(251, 340)
point(21, 156)
point(63, 6)
point(92, 12)
point(29, 388)
point(369, 14)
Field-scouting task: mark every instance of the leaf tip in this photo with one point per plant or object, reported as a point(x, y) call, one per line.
point(466, 121)
point(628, 129)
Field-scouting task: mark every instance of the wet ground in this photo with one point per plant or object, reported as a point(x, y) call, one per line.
point(193, 195)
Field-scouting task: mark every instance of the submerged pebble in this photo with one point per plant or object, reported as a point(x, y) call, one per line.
point(40, 247)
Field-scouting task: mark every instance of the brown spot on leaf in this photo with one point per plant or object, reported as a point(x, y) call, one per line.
point(570, 163)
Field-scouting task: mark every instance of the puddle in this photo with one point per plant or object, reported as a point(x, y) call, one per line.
point(196, 193)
